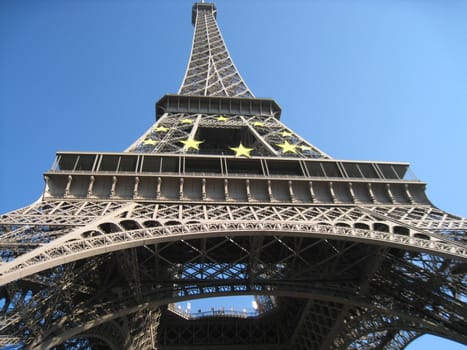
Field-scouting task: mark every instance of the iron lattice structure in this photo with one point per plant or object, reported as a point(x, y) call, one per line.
point(219, 198)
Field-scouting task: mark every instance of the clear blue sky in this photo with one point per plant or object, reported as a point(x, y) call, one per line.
point(360, 79)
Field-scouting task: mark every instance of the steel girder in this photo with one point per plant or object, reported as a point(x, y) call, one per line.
point(211, 71)
point(284, 263)
point(134, 224)
point(266, 129)
point(355, 254)
point(319, 254)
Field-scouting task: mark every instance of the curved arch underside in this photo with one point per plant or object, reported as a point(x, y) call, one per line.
point(317, 277)
point(113, 233)
point(341, 275)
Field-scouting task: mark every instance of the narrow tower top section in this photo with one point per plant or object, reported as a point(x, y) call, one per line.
point(202, 7)
point(211, 71)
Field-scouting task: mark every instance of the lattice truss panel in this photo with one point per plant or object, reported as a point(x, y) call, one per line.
point(143, 333)
point(222, 135)
point(211, 71)
point(428, 218)
point(186, 251)
point(372, 330)
point(318, 319)
point(110, 335)
point(100, 274)
point(216, 331)
point(48, 226)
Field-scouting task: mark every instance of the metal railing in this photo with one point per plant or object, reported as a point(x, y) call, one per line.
point(192, 315)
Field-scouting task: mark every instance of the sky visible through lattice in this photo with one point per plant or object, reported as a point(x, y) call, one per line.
point(368, 80)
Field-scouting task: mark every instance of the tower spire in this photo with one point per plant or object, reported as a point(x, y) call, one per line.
point(215, 112)
point(211, 71)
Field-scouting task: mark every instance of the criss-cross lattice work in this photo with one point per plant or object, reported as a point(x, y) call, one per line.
point(143, 330)
point(325, 271)
point(220, 198)
point(211, 71)
point(261, 135)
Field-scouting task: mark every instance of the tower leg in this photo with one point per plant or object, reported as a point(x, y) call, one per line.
point(142, 334)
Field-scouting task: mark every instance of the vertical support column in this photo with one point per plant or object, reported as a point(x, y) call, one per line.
point(68, 186)
point(312, 191)
point(181, 194)
point(158, 188)
point(226, 190)
point(142, 332)
point(47, 188)
point(371, 193)
point(136, 188)
point(331, 191)
point(248, 193)
point(271, 197)
point(203, 190)
point(92, 179)
point(409, 195)
point(291, 193)
point(113, 190)
point(352, 193)
point(389, 192)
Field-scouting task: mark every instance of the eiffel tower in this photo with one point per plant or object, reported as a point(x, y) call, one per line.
point(220, 198)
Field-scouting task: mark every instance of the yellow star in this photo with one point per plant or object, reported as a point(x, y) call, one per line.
point(287, 147)
point(161, 129)
point(191, 143)
point(306, 148)
point(186, 121)
point(285, 133)
point(149, 142)
point(222, 118)
point(258, 124)
point(241, 151)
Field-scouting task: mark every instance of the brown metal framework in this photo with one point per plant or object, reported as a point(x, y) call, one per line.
point(219, 198)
